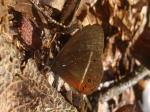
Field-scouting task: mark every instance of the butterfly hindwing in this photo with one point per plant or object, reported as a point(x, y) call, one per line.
point(79, 63)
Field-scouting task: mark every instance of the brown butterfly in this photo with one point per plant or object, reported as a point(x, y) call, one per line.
point(79, 62)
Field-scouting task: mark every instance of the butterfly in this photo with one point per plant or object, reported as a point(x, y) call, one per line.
point(79, 63)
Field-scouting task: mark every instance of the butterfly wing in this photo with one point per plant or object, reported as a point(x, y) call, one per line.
point(79, 63)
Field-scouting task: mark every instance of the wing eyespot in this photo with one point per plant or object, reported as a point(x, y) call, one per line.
point(84, 87)
point(94, 60)
point(89, 80)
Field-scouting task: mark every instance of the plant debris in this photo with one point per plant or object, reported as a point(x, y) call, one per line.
point(32, 33)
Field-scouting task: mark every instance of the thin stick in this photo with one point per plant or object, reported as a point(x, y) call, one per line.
point(118, 89)
point(50, 19)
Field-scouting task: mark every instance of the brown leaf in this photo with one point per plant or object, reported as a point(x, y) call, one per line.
point(9, 66)
point(57, 4)
point(128, 108)
point(69, 11)
point(141, 48)
point(28, 92)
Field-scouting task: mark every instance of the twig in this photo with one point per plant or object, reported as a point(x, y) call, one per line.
point(118, 89)
point(67, 29)
point(50, 19)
